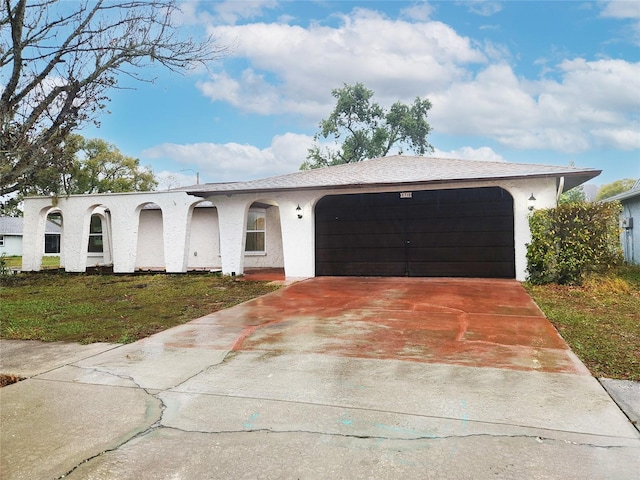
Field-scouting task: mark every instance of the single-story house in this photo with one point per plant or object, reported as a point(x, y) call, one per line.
point(629, 223)
point(391, 216)
point(11, 237)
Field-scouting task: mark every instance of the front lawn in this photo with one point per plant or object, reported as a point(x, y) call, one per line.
point(112, 308)
point(47, 262)
point(600, 320)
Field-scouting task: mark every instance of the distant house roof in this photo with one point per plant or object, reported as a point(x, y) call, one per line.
point(398, 170)
point(631, 193)
point(13, 226)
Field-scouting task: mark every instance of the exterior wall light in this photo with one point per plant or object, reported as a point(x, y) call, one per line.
point(299, 211)
point(531, 202)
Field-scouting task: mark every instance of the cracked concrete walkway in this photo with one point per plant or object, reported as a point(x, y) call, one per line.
point(326, 378)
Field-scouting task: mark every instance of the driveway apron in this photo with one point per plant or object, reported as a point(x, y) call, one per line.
point(330, 377)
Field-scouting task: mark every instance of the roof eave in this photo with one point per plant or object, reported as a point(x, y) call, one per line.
point(572, 180)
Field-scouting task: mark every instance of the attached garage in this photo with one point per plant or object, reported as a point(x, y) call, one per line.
point(466, 232)
point(392, 216)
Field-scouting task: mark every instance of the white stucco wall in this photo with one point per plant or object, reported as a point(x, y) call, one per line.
point(204, 240)
point(170, 236)
point(273, 256)
point(150, 251)
point(12, 245)
point(123, 210)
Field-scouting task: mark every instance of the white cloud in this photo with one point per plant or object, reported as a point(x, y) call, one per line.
point(581, 110)
point(235, 162)
point(625, 10)
point(420, 11)
point(621, 9)
point(470, 153)
point(289, 69)
point(484, 7)
point(230, 12)
point(168, 179)
point(397, 59)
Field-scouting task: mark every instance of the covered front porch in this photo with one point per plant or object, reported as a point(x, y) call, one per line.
point(170, 232)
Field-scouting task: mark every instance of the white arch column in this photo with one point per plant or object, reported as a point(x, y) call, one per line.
point(124, 230)
point(298, 235)
point(176, 219)
point(33, 231)
point(232, 217)
point(75, 236)
point(544, 191)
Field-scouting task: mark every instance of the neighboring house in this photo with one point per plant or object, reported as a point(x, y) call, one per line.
point(11, 237)
point(391, 216)
point(630, 223)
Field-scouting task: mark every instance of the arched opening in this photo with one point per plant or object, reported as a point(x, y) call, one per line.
point(52, 249)
point(204, 238)
point(263, 237)
point(150, 241)
point(99, 244)
point(52, 233)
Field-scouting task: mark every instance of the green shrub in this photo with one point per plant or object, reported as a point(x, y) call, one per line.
point(571, 240)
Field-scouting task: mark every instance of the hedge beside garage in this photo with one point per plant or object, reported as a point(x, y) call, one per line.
point(571, 240)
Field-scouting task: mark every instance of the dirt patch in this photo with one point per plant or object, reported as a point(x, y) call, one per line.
point(9, 379)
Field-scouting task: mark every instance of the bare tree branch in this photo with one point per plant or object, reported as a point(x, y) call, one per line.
point(59, 60)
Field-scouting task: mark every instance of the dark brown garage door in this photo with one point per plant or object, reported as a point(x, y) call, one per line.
point(436, 233)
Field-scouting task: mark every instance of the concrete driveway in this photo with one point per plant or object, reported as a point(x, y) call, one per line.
point(326, 378)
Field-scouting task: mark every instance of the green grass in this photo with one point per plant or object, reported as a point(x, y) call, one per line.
point(600, 320)
point(47, 262)
point(112, 308)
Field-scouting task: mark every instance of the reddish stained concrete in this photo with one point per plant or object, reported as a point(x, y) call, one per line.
point(471, 322)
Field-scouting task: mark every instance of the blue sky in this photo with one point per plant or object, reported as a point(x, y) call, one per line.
point(549, 82)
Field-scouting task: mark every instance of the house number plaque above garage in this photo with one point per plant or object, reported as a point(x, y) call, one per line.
point(406, 194)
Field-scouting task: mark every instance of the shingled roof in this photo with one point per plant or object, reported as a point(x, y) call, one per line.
point(13, 226)
point(399, 170)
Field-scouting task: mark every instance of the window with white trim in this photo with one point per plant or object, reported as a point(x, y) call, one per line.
point(95, 234)
point(1, 240)
point(256, 232)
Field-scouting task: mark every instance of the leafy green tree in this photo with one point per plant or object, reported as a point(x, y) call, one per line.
point(58, 62)
point(575, 195)
point(362, 129)
point(614, 188)
point(93, 166)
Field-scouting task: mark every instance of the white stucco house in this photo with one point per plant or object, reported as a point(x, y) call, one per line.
point(391, 216)
point(629, 223)
point(11, 237)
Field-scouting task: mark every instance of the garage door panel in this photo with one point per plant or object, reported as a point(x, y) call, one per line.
point(359, 241)
point(373, 269)
point(459, 269)
point(427, 210)
point(368, 227)
point(363, 255)
point(435, 239)
point(462, 232)
point(465, 224)
point(457, 254)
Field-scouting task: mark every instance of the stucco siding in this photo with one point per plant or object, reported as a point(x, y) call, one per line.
point(204, 240)
point(273, 256)
point(177, 235)
point(150, 248)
